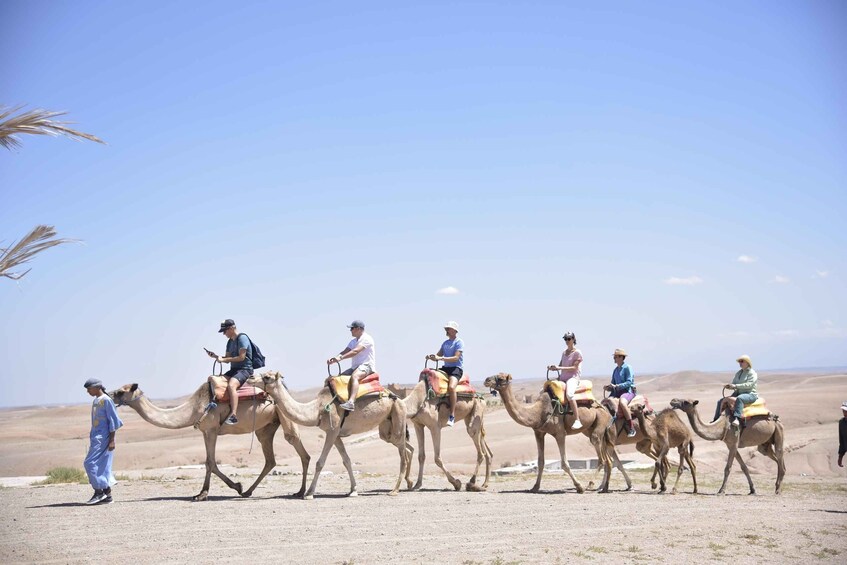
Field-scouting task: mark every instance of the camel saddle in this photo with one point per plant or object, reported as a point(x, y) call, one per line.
point(367, 386)
point(758, 408)
point(583, 394)
point(436, 381)
point(245, 391)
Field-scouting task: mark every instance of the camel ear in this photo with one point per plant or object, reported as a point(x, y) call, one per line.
point(133, 387)
point(696, 402)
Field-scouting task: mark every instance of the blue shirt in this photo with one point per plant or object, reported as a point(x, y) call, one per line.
point(104, 417)
point(240, 342)
point(623, 380)
point(449, 349)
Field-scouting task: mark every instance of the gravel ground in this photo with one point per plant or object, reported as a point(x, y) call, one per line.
point(153, 521)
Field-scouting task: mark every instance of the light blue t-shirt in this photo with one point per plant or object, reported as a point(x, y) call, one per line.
point(232, 351)
point(449, 349)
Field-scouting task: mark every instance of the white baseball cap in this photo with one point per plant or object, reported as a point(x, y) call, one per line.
point(844, 405)
point(452, 325)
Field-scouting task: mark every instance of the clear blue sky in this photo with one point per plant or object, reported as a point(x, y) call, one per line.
point(294, 166)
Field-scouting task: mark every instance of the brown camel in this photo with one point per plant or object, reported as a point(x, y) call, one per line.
point(388, 413)
point(263, 417)
point(543, 419)
point(641, 442)
point(433, 416)
point(763, 432)
point(666, 430)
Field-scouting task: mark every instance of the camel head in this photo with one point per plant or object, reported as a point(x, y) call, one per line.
point(683, 404)
point(498, 381)
point(266, 380)
point(610, 404)
point(125, 394)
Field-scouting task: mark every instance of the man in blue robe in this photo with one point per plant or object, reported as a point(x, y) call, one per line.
point(104, 424)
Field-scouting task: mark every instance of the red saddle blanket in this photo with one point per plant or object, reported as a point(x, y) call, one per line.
point(246, 391)
point(368, 385)
point(437, 381)
point(583, 393)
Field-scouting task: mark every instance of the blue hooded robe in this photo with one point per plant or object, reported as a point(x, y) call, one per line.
point(98, 462)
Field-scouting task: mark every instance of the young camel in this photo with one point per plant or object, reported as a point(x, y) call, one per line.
point(543, 420)
point(433, 416)
point(764, 432)
point(261, 416)
point(666, 431)
point(388, 413)
point(641, 442)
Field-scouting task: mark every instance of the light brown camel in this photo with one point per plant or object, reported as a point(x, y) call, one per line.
point(543, 419)
point(667, 430)
point(388, 413)
point(765, 433)
point(433, 416)
point(641, 442)
point(263, 417)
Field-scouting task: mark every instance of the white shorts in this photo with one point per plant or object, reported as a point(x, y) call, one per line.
point(570, 387)
point(363, 368)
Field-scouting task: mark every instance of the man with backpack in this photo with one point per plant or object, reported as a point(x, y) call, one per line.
point(243, 356)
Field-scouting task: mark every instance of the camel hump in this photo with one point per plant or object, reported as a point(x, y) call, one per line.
point(367, 386)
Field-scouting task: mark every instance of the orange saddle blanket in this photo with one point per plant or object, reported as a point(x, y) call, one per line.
point(437, 382)
point(368, 385)
point(246, 391)
point(583, 394)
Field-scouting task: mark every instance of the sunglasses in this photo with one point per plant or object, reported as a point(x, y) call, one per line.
point(567, 338)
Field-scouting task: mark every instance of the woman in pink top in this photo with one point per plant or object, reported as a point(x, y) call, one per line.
point(569, 373)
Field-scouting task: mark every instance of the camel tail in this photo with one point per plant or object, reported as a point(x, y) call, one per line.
point(691, 448)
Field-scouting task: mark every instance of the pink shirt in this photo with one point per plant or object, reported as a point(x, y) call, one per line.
point(569, 360)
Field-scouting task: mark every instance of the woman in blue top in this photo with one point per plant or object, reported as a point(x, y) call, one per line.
point(451, 352)
point(623, 388)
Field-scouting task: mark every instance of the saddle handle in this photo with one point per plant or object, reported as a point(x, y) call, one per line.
point(214, 363)
point(724, 391)
point(548, 374)
point(426, 363)
point(329, 371)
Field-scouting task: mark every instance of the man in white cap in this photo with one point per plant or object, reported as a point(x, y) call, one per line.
point(362, 351)
point(451, 352)
point(842, 435)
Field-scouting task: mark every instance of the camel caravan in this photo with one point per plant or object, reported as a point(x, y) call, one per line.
point(242, 401)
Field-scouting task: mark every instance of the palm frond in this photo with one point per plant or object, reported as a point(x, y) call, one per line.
point(36, 241)
point(35, 122)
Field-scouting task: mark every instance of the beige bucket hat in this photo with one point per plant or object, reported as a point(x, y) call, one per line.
point(620, 352)
point(745, 358)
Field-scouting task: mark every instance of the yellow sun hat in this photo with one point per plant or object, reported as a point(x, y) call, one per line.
point(745, 358)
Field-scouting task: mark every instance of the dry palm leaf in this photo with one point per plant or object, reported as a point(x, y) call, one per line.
point(35, 122)
point(36, 241)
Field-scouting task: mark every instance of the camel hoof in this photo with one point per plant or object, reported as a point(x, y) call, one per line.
point(354, 493)
point(752, 493)
point(393, 493)
point(591, 485)
point(533, 490)
point(237, 488)
point(628, 488)
point(200, 497)
point(579, 489)
point(472, 487)
point(720, 493)
point(673, 491)
point(457, 485)
point(298, 494)
point(309, 497)
point(416, 486)
point(247, 494)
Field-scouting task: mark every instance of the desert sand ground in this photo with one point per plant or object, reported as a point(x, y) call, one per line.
point(152, 519)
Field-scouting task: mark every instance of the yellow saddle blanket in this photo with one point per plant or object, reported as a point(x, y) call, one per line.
point(758, 408)
point(438, 381)
point(582, 395)
point(368, 385)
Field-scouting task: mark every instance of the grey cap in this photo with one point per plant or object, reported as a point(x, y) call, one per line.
point(226, 324)
point(93, 382)
point(356, 324)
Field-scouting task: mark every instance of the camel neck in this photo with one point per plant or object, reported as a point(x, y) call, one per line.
point(415, 399)
point(182, 416)
point(524, 414)
point(712, 432)
point(307, 414)
point(646, 428)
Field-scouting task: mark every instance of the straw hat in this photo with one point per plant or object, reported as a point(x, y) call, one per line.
point(620, 352)
point(745, 358)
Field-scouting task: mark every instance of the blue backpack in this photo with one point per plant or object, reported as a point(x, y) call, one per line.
point(257, 358)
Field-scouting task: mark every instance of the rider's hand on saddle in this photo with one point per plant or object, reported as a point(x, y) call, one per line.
point(730, 387)
point(609, 387)
point(552, 368)
point(431, 357)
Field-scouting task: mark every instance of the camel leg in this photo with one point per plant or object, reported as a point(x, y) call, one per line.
point(419, 433)
point(292, 436)
point(436, 447)
point(689, 459)
point(560, 441)
point(746, 471)
point(660, 465)
point(211, 437)
point(616, 460)
point(266, 440)
point(539, 442)
point(683, 455)
point(606, 455)
point(331, 436)
point(345, 459)
point(733, 454)
point(475, 431)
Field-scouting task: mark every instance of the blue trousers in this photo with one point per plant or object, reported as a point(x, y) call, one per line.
point(741, 400)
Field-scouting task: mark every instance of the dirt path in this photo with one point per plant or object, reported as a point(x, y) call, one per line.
point(153, 522)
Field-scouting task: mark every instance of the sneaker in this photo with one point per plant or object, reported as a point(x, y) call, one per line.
point(349, 406)
point(631, 432)
point(98, 497)
point(450, 421)
point(577, 425)
point(231, 420)
point(734, 423)
point(107, 499)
